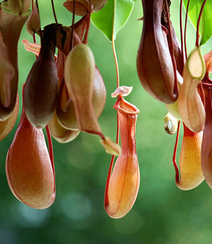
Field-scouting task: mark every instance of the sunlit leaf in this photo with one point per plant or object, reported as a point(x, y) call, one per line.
point(112, 17)
point(206, 23)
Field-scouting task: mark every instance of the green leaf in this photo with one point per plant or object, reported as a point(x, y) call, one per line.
point(206, 22)
point(112, 17)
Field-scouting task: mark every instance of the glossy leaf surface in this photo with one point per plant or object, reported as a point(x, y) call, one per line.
point(112, 17)
point(193, 13)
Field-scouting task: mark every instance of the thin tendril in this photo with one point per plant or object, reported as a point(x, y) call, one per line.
point(116, 62)
point(106, 200)
point(50, 146)
point(59, 103)
point(72, 27)
point(36, 1)
point(117, 83)
point(181, 31)
point(54, 13)
point(206, 79)
point(85, 40)
point(174, 154)
point(33, 5)
point(51, 152)
point(34, 39)
point(33, 35)
point(185, 29)
point(198, 23)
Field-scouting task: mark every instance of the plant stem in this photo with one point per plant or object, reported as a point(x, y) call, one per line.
point(198, 23)
point(50, 146)
point(185, 29)
point(72, 26)
point(175, 152)
point(54, 13)
point(85, 40)
point(36, 2)
point(116, 63)
point(181, 31)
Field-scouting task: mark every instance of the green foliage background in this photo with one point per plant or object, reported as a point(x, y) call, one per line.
point(162, 213)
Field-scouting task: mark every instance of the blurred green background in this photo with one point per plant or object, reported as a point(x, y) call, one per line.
point(162, 213)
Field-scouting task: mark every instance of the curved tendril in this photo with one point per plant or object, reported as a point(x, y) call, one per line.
point(85, 40)
point(198, 23)
point(34, 39)
point(50, 146)
point(175, 152)
point(117, 124)
point(185, 29)
point(116, 62)
point(51, 151)
point(72, 27)
point(106, 200)
point(111, 163)
point(60, 94)
point(181, 31)
point(53, 10)
point(36, 1)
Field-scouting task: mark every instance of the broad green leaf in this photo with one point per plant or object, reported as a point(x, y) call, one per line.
point(206, 22)
point(112, 17)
